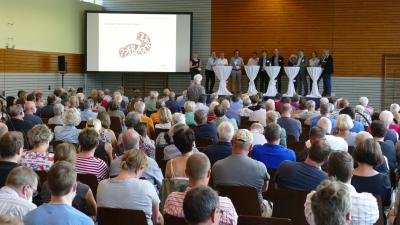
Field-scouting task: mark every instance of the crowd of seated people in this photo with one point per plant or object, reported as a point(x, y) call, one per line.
point(148, 153)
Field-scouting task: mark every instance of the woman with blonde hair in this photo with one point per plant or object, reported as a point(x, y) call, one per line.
point(165, 116)
point(343, 127)
point(190, 107)
point(106, 134)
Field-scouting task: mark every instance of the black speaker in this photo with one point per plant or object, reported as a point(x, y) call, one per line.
point(62, 65)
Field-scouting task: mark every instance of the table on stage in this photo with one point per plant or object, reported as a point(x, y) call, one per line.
point(273, 72)
point(222, 73)
point(291, 72)
point(252, 72)
point(315, 73)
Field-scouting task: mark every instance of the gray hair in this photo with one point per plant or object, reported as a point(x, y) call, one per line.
point(344, 122)
point(190, 106)
point(273, 132)
point(246, 101)
point(310, 104)
point(271, 117)
point(139, 107)
point(21, 176)
point(331, 203)
point(72, 116)
point(225, 131)
point(40, 134)
point(359, 108)
point(199, 204)
point(58, 109)
point(270, 105)
point(132, 119)
point(386, 117)
point(197, 78)
point(364, 101)
point(130, 140)
point(178, 118)
point(324, 101)
point(361, 136)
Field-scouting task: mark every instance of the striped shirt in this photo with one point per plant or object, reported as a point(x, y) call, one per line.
point(13, 205)
point(92, 165)
point(174, 206)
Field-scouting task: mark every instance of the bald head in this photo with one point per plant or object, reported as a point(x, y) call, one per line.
point(325, 124)
point(130, 140)
point(30, 107)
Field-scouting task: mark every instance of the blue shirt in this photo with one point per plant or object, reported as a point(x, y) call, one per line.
point(206, 131)
point(172, 105)
point(314, 122)
point(233, 114)
point(88, 114)
point(33, 119)
point(358, 127)
point(299, 176)
point(218, 151)
point(56, 214)
point(272, 155)
point(67, 133)
point(236, 106)
point(390, 135)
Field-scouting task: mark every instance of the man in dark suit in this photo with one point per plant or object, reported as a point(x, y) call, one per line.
point(327, 65)
point(262, 74)
point(301, 78)
point(278, 60)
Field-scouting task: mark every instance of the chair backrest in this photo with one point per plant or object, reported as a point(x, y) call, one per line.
point(381, 220)
point(258, 220)
point(173, 220)
point(203, 142)
point(245, 199)
point(90, 180)
point(81, 125)
point(271, 186)
point(289, 204)
point(54, 143)
point(42, 176)
point(52, 126)
point(116, 125)
point(112, 216)
point(45, 120)
point(291, 142)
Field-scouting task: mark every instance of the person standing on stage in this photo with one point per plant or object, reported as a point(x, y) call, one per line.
point(292, 60)
point(262, 74)
point(301, 79)
point(236, 62)
point(253, 61)
point(313, 62)
point(327, 65)
point(195, 67)
point(221, 60)
point(278, 60)
point(210, 75)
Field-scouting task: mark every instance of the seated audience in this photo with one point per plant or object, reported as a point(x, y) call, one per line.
point(211, 117)
point(231, 113)
point(130, 140)
point(115, 111)
point(30, 111)
point(16, 196)
point(106, 134)
point(245, 111)
point(87, 112)
point(258, 115)
point(310, 113)
point(394, 109)
point(223, 148)
point(85, 160)
point(68, 132)
point(165, 138)
point(304, 176)
point(17, 123)
point(227, 171)
point(58, 110)
point(278, 103)
point(117, 192)
point(292, 126)
point(272, 118)
point(258, 134)
point(255, 104)
point(343, 129)
point(358, 126)
point(387, 118)
point(272, 154)
point(145, 144)
point(361, 116)
point(139, 107)
point(368, 108)
point(184, 142)
point(335, 143)
point(171, 103)
point(324, 112)
point(155, 117)
point(364, 208)
point(84, 200)
point(201, 104)
point(39, 159)
point(104, 150)
point(198, 169)
point(61, 180)
point(195, 89)
point(365, 178)
point(165, 118)
point(190, 107)
point(360, 137)
point(151, 102)
point(220, 112)
point(204, 129)
point(47, 110)
point(201, 206)
point(11, 150)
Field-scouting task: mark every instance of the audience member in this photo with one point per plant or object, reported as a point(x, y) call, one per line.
point(258, 115)
point(39, 159)
point(387, 118)
point(358, 126)
point(30, 111)
point(8, 220)
point(245, 111)
point(201, 104)
point(368, 108)
point(47, 110)
point(151, 102)
point(211, 117)
point(258, 134)
point(204, 129)
point(68, 132)
point(255, 105)
point(324, 112)
point(201, 206)
point(361, 116)
point(145, 143)
point(343, 127)
point(171, 103)
point(106, 134)
point(360, 137)
point(165, 118)
point(311, 112)
point(88, 113)
point(58, 110)
point(231, 113)
point(292, 126)
point(335, 143)
point(16, 122)
point(190, 108)
point(223, 148)
point(195, 89)
point(220, 112)
point(11, 150)
point(104, 150)
point(140, 108)
point(115, 111)
point(272, 118)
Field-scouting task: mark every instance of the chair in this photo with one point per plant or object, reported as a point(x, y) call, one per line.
point(45, 120)
point(52, 126)
point(42, 176)
point(245, 199)
point(289, 204)
point(271, 186)
point(202, 143)
point(81, 125)
point(173, 220)
point(116, 125)
point(258, 220)
point(381, 220)
point(55, 143)
point(90, 180)
point(291, 142)
point(112, 216)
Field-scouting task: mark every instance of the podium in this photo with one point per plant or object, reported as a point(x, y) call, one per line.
point(315, 73)
point(252, 72)
point(273, 72)
point(222, 73)
point(291, 72)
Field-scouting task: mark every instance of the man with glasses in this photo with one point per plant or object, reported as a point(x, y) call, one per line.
point(16, 196)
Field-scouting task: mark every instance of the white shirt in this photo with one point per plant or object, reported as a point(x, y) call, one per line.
point(258, 139)
point(210, 63)
point(252, 62)
point(221, 62)
point(364, 208)
point(260, 116)
point(13, 205)
point(202, 106)
point(336, 143)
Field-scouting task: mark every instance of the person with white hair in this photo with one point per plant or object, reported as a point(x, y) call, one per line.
point(258, 134)
point(68, 132)
point(311, 112)
point(178, 118)
point(211, 114)
point(361, 116)
point(364, 101)
point(323, 100)
point(30, 111)
point(140, 108)
point(195, 89)
point(245, 111)
point(343, 127)
point(152, 101)
point(335, 143)
point(394, 108)
point(387, 118)
point(222, 148)
point(190, 107)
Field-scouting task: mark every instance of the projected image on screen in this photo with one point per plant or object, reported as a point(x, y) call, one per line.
point(138, 42)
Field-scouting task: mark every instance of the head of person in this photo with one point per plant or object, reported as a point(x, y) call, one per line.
point(226, 104)
point(323, 100)
point(254, 55)
point(40, 135)
point(212, 106)
point(278, 97)
point(88, 103)
point(270, 105)
point(65, 152)
point(325, 124)
point(9, 220)
point(141, 128)
point(61, 179)
point(88, 139)
point(340, 166)
point(276, 51)
point(361, 136)
point(3, 129)
point(319, 151)
point(71, 117)
point(24, 181)
point(221, 55)
point(197, 78)
point(386, 117)
point(344, 123)
point(242, 142)
point(134, 161)
point(286, 109)
point(257, 128)
point(198, 169)
point(220, 110)
point(214, 54)
point(94, 124)
point(348, 111)
point(58, 109)
point(11, 146)
point(190, 106)
point(104, 118)
point(326, 52)
point(324, 109)
point(30, 107)
point(342, 103)
point(293, 58)
point(165, 115)
point(364, 101)
point(254, 99)
point(378, 129)
point(130, 140)
point(202, 99)
point(201, 206)
point(74, 102)
point(225, 132)
point(166, 92)
point(132, 119)
point(314, 54)
point(273, 133)
point(16, 111)
point(264, 53)
point(271, 117)
point(51, 99)
point(153, 95)
point(184, 140)
point(236, 53)
point(178, 118)
point(368, 152)
point(200, 116)
point(300, 52)
point(114, 105)
point(331, 203)
point(359, 109)
point(287, 100)
point(316, 134)
point(310, 105)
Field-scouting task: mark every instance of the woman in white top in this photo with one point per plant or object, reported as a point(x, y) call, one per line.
point(314, 61)
point(165, 118)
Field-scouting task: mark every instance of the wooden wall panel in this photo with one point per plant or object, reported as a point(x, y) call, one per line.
point(24, 61)
point(358, 32)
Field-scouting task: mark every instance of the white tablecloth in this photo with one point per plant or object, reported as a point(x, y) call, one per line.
point(222, 73)
point(273, 72)
point(252, 72)
point(291, 72)
point(315, 73)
